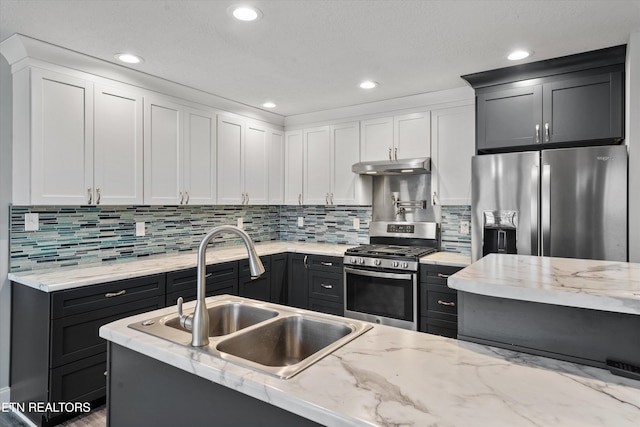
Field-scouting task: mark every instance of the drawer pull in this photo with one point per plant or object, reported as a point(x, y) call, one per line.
point(326, 286)
point(208, 275)
point(443, 276)
point(105, 373)
point(448, 304)
point(115, 294)
point(327, 264)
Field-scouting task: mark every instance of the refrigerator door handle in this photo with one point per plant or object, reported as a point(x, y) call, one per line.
point(546, 210)
point(535, 178)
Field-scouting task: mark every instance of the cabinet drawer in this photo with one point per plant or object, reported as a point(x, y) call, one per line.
point(172, 299)
point(324, 263)
point(96, 297)
point(82, 381)
point(259, 288)
point(219, 275)
point(328, 307)
point(326, 285)
point(76, 337)
point(444, 302)
point(437, 274)
point(244, 265)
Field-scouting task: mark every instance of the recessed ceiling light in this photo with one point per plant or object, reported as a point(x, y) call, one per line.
point(129, 58)
point(368, 84)
point(245, 13)
point(519, 54)
point(269, 105)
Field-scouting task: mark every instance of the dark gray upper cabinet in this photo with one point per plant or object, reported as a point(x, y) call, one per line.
point(574, 100)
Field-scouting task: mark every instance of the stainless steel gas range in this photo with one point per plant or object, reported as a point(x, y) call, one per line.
point(381, 279)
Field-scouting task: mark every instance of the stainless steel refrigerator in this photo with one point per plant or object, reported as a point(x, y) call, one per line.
point(569, 203)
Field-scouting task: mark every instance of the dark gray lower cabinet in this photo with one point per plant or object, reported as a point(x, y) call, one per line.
point(438, 302)
point(316, 282)
point(146, 392)
point(56, 352)
point(258, 288)
point(221, 279)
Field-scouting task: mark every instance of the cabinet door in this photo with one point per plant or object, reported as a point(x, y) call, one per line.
point(118, 147)
point(508, 118)
point(452, 140)
point(276, 166)
point(347, 188)
point(412, 136)
point(293, 164)
point(256, 166)
point(199, 157)
point(584, 108)
point(230, 160)
point(317, 166)
point(162, 152)
point(377, 139)
point(62, 139)
point(297, 281)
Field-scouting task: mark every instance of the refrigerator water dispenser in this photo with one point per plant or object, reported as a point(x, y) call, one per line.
point(499, 232)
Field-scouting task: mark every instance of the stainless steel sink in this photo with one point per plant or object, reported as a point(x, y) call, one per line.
point(277, 340)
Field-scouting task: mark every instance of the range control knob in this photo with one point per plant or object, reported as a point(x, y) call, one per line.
point(377, 262)
point(395, 263)
point(405, 265)
point(353, 260)
point(361, 260)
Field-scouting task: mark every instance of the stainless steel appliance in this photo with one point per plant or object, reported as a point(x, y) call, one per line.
point(381, 279)
point(568, 203)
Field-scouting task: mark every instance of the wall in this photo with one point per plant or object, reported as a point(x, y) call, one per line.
point(632, 133)
point(322, 224)
point(5, 197)
point(450, 237)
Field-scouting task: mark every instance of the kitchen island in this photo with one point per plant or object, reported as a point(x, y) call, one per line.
point(578, 310)
point(388, 377)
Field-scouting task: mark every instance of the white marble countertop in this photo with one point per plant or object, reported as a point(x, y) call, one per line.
point(62, 278)
point(395, 377)
point(599, 285)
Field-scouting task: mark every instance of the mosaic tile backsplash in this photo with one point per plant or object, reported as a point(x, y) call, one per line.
point(88, 234)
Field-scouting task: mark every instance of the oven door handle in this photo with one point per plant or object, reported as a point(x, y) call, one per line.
point(400, 276)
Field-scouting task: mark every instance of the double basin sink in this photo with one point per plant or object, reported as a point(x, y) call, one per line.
point(277, 340)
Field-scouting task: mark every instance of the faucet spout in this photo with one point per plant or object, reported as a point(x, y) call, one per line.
point(200, 321)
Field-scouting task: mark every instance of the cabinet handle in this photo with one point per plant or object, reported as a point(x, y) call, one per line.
point(332, 198)
point(448, 304)
point(208, 275)
point(105, 373)
point(90, 195)
point(98, 196)
point(304, 261)
point(181, 197)
point(326, 199)
point(537, 134)
point(299, 199)
point(326, 286)
point(246, 200)
point(389, 153)
point(546, 132)
point(326, 264)
point(434, 198)
point(443, 276)
point(395, 153)
point(115, 294)
point(187, 201)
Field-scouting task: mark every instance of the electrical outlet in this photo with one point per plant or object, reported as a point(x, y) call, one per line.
point(464, 227)
point(141, 229)
point(240, 223)
point(300, 221)
point(356, 223)
point(31, 222)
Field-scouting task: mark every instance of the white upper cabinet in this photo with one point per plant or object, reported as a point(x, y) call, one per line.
point(453, 143)
point(163, 152)
point(400, 137)
point(118, 147)
point(329, 153)
point(276, 166)
point(243, 162)
point(61, 139)
point(293, 166)
point(199, 166)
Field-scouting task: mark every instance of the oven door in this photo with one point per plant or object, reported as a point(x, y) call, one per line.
point(384, 297)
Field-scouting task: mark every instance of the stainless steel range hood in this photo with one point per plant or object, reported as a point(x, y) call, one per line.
point(394, 167)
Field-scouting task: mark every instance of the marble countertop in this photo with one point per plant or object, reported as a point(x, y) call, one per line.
point(599, 285)
point(58, 279)
point(392, 377)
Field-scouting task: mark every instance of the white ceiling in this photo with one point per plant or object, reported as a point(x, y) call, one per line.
point(310, 55)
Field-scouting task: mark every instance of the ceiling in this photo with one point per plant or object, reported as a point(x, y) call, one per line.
point(310, 55)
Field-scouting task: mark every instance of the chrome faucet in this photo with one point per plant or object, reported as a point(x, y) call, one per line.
point(198, 323)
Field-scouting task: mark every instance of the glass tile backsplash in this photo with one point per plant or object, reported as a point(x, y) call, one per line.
point(88, 234)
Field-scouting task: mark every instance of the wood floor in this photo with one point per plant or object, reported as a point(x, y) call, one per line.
point(95, 418)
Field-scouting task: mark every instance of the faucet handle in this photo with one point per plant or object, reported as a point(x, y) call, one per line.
point(185, 321)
